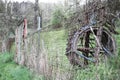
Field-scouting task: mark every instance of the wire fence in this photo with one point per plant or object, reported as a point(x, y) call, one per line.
point(27, 48)
point(32, 52)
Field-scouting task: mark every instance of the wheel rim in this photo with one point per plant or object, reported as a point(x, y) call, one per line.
point(85, 43)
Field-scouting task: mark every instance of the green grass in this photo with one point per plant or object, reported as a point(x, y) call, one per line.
point(9, 70)
point(55, 45)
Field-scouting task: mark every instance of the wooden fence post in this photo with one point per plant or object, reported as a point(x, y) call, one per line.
point(25, 41)
point(25, 29)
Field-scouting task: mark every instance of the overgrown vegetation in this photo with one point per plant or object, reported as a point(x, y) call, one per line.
point(54, 65)
point(55, 48)
point(54, 44)
point(9, 70)
point(57, 18)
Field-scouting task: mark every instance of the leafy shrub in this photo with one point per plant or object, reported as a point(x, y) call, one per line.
point(57, 18)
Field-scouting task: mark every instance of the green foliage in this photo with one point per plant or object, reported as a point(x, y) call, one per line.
point(6, 57)
point(57, 17)
point(104, 71)
point(101, 72)
point(54, 41)
point(20, 73)
point(55, 44)
point(11, 71)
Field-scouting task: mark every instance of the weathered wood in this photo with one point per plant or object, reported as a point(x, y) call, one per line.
point(101, 14)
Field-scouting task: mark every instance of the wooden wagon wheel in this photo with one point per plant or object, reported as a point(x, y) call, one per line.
point(82, 43)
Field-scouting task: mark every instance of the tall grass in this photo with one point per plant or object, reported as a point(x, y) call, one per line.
point(54, 65)
point(54, 45)
point(9, 70)
point(60, 69)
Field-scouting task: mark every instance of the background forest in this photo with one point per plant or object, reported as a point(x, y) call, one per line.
point(44, 58)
